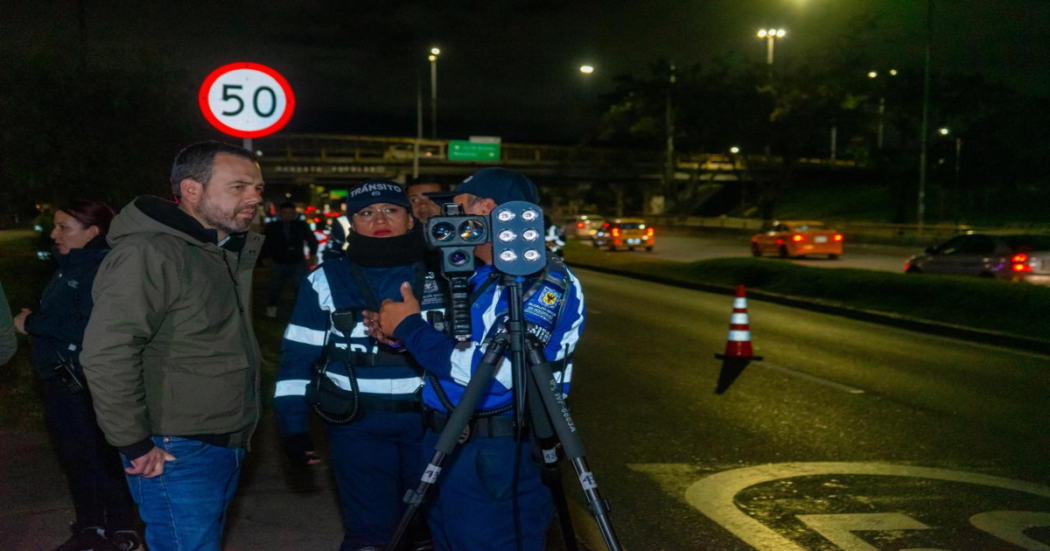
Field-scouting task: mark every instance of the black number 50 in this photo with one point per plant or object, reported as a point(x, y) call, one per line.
point(227, 96)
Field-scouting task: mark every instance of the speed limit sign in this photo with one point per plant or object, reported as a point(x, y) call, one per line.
point(247, 100)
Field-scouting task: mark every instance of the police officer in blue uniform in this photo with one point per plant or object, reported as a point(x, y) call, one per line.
point(367, 393)
point(474, 504)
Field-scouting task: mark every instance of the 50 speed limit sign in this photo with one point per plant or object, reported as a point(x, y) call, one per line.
point(247, 100)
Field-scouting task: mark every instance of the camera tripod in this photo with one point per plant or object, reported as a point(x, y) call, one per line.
point(548, 413)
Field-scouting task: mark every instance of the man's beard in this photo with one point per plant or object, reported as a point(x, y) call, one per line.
point(226, 221)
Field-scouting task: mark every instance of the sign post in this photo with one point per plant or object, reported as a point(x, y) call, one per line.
point(246, 100)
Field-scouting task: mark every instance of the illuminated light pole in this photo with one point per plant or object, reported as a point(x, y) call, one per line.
point(882, 105)
point(587, 69)
point(434, 53)
point(924, 130)
point(771, 35)
point(945, 131)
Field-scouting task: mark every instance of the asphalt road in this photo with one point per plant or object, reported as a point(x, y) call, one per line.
point(848, 432)
point(689, 249)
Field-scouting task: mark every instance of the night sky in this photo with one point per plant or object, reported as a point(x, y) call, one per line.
point(511, 68)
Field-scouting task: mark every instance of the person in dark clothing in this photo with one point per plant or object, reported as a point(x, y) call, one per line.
point(286, 239)
point(105, 515)
point(376, 452)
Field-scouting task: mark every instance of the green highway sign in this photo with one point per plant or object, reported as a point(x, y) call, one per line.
point(460, 150)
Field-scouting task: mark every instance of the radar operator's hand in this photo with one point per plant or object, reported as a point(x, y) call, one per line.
point(391, 314)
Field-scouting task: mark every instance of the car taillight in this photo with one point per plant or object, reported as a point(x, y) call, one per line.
point(1020, 263)
point(616, 232)
point(780, 241)
point(838, 237)
point(798, 238)
point(580, 225)
point(649, 232)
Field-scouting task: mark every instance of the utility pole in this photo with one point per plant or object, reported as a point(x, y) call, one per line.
point(921, 207)
point(434, 53)
point(669, 127)
point(958, 166)
point(419, 125)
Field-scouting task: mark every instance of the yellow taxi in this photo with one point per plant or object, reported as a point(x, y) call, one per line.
point(794, 238)
point(625, 232)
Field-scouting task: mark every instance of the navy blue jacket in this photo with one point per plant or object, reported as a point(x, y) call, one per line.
point(57, 327)
point(329, 288)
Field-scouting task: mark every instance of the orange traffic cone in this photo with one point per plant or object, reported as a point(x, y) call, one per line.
point(738, 346)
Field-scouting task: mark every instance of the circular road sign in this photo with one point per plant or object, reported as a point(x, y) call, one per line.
point(246, 100)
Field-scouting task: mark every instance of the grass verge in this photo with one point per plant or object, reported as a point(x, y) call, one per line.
point(999, 306)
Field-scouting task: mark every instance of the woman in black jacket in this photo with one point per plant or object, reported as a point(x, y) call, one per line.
point(105, 517)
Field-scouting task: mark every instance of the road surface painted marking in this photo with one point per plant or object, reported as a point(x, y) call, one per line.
point(811, 378)
point(838, 529)
point(713, 495)
point(1010, 526)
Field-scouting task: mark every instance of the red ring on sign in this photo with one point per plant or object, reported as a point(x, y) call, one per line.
point(289, 100)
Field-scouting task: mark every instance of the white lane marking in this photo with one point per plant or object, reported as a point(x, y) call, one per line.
point(811, 378)
point(838, 529)
point(714, 495)
point(1010, 526)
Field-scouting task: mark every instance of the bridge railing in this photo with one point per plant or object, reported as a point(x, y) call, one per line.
point(325, 148)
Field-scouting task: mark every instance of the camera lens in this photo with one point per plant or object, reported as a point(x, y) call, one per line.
point(443, 231)
point(472, 231)
point(457, 258)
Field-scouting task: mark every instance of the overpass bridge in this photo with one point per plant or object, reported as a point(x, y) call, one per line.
point(331, 160)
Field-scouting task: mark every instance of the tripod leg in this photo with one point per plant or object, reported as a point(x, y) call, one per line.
point(550, 472)
point(446, 443)
point(549, 389)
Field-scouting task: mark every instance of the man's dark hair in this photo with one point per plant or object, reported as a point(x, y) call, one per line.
point(286, 205)
point(426, 180)
point(196, 160)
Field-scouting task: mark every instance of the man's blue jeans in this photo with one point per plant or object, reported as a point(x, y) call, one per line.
point(185, 508)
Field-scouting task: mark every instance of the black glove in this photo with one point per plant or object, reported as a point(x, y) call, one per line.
point(300, 448)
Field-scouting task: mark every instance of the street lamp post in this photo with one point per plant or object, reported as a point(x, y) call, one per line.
point(882, 105)
point(434, 53)
point(920, 210)
point(958, 167)
point(771, 35)
point(669, 130)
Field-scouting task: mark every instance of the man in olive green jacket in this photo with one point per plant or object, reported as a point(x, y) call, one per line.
point(170, 355)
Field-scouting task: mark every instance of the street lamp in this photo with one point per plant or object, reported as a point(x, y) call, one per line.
point(882, 104)
point(433, 57)
point(771, 35)
point(586, 69)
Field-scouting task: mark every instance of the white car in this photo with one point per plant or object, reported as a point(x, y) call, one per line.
point(583, 226)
